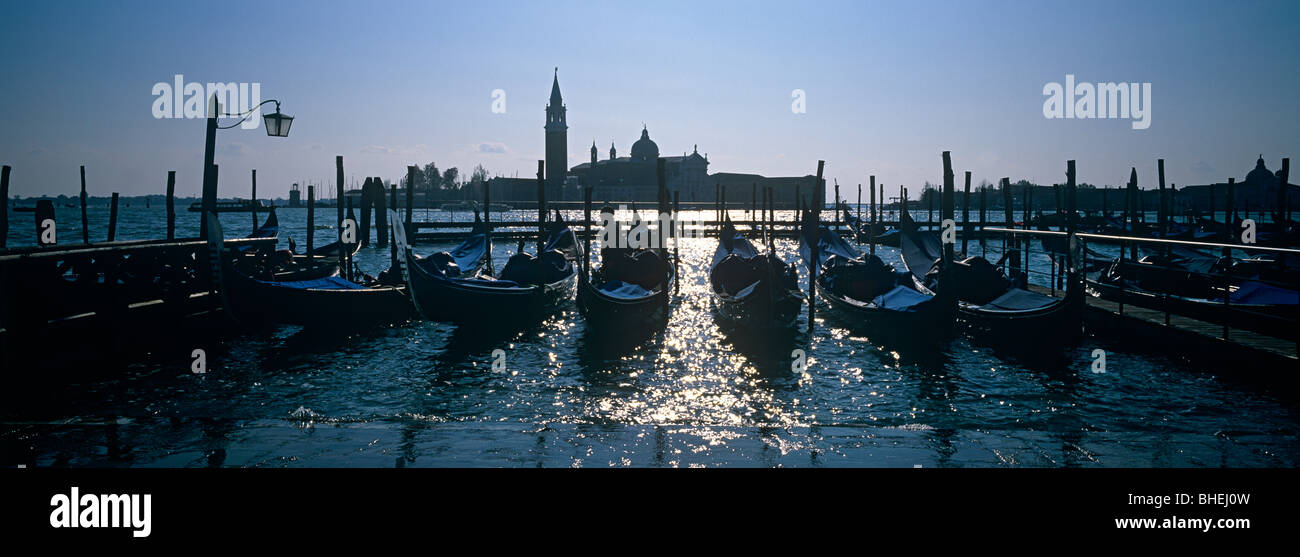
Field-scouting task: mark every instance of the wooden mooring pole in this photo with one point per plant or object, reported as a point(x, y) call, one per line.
point(112, 219)
point(338, 189)
point(1029, 217)
point(410, 201)
point(1162, 209)
point(1230, 212)
point(253, 201)
point(1283, 205)
point(966, 229)
point(311, 219)
point(392, 201)
point(871, 228)
point(836, 206)
point(1133, 209)
point(929, 209)
point(984, 190)
point(4, 211)
point(947, 204)
point(812, 266)
point(771, 219)
point(725, 216)
point(487, 221)
point(856, 236)
point(677, 240)
point(541, 209)
point(85, 226)
point(1010, 249)
point(171, 205)
point(347, 249)
point(586, 239)
point(753, 201)
point(381, 212)
point(662, 197)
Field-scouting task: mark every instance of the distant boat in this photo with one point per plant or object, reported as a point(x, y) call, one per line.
point(474, 206)
point(236, 206)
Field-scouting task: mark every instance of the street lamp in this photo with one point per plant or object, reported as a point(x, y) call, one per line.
point(277, 125)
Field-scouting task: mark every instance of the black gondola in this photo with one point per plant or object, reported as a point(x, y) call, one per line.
point(866, 292)
point(630, 289)
point(1195, 287)
point(334, 302)
point(751, 290)
point(986, 298)
point(270, 227)
point(527, 287)
point(285, 265)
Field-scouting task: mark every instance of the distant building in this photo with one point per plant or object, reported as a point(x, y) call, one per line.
point(635, 178)
point(1258, 191)
point(557, 139)
point(513, 189)
point(295, 196)
point(741, 187)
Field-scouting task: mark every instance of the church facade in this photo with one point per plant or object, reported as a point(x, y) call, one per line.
point(635, 177)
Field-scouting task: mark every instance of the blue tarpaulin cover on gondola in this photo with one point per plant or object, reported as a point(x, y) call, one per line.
point(487, 281)
point(620, 289)
point(327, 283)
point(1017, 299)
point(901, 299)
point(1251, 292)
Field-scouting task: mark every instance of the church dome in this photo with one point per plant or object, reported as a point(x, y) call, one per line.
point(1260, 175)
point(644, 149)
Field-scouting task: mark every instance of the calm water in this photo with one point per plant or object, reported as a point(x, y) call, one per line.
point(426, 394)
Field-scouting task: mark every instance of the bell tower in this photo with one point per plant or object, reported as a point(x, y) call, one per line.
point(557, 149)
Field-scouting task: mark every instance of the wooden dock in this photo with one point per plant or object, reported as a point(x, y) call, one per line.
point(1184, 335)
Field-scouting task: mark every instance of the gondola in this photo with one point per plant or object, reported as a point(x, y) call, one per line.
point(527, 287)
point(327, 251)
point(285, 265)
point(270, 227)
point(868, 293)
point(331, 250)
point(1188, 286)
point(987, 300)
point(750, 290)
point(334, 302)
point(630, 289)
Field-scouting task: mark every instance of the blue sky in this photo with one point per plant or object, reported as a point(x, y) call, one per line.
point(889, 86)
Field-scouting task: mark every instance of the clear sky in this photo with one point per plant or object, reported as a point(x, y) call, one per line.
point(889, 85)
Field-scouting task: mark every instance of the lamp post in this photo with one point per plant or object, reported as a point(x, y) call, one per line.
point(277, 125)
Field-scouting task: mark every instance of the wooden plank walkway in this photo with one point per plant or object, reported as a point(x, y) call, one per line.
point(1100, 311)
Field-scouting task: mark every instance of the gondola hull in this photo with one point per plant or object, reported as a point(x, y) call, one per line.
point(476, 302)
point(275, 302)
point(606, 311)
point(770, 304)
point(930, 322)
point(759, 310)
point(1057, 320)
point(1277, 320)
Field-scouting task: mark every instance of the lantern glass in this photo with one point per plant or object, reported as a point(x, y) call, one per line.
point(277, 124)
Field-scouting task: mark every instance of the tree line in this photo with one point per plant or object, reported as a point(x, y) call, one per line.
point(448, 184)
